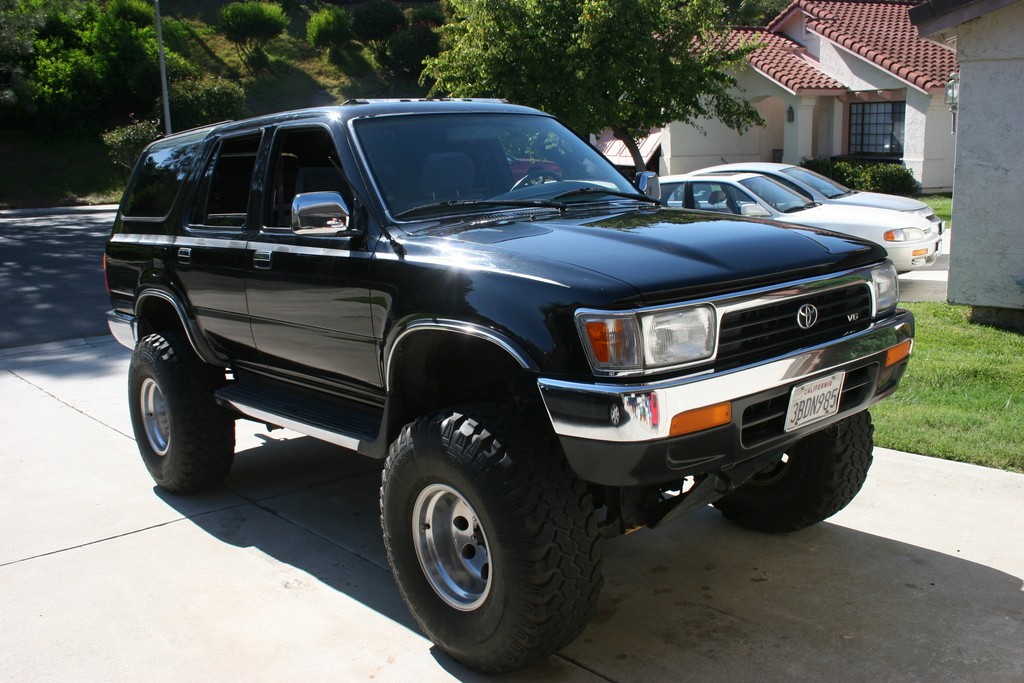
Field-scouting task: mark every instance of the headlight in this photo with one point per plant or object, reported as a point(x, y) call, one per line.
point(630, 342)
point(887, 287)
point(678, 336)
point(904, 235)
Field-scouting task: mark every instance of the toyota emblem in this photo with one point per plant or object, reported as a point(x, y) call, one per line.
point(806, 316)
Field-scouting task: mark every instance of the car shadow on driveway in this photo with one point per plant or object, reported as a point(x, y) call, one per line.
point(698, 595)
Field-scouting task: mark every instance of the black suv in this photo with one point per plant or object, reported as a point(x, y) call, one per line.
point(544, 354)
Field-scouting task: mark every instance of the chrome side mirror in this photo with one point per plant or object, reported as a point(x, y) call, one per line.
point(648, 183)
point(321, 214)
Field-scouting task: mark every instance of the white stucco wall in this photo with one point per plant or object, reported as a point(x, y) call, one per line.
point(987, 265)
point(688, 147)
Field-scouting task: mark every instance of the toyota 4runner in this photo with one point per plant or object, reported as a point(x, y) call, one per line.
point(544, 355)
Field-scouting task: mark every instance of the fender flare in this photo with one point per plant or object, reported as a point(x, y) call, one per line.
point(476, 330)
point(188, 324)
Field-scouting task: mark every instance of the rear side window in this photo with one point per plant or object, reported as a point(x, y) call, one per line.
point(159, 177)
point(223, 197)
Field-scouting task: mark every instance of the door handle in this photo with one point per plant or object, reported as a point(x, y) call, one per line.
point(185, 255)
point(262, 260)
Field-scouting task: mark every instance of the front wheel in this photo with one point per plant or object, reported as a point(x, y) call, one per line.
point(492, 539)
point(186, 440)
point(816, 478)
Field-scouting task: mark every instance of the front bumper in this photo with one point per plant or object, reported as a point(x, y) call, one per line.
point(619, 434)
point(907, 256)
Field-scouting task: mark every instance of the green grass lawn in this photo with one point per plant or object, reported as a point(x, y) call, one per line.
point(962, 397)
point(942, 204)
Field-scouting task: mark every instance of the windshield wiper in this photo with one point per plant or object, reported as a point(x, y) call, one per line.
point(460, 203)
point(601, 190)
point(808, 205)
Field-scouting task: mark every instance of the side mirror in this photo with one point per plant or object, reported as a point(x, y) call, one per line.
point(321, 214)
point(648, 183)
point(754, 210)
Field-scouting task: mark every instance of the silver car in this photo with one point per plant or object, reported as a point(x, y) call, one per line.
point(911, 241)
point(818, 188)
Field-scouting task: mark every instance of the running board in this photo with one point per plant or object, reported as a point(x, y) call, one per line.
point(334, 420)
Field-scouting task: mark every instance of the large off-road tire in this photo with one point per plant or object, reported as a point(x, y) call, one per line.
point(815, 479)
point(492, 539)
point(186, 440)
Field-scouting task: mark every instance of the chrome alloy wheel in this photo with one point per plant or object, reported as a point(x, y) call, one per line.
point(154, 416)
point(451, 547)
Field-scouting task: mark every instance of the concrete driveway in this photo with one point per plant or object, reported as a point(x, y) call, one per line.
point(280, 574)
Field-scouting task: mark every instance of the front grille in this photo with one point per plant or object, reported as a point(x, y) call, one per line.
point(771, 330)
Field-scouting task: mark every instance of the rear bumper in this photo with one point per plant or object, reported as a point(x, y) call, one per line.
point(123, 327)
point(620, 434)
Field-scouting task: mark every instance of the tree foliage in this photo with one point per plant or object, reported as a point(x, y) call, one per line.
point(627, 65)
point(250, 26)
point(329, 28)
point(375, 22)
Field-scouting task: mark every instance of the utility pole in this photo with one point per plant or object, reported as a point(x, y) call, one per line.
point(163, 69)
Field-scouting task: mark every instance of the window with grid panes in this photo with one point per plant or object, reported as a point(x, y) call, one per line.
point(876, 128)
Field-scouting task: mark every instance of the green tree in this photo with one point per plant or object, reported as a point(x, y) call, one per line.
point(250, 26)
point(627, 65)
point(329, 29)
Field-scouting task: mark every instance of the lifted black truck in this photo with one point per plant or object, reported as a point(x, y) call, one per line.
point(544, 354)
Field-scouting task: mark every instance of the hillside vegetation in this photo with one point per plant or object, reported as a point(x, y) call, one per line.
point(47, 167)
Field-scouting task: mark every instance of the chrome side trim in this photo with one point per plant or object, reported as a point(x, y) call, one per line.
point(296, 426)
point(564, 399)
point(457, 327)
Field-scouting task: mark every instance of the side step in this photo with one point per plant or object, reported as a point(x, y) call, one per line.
point(345, 423)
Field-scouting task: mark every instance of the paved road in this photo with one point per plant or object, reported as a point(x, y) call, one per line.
point(280, 574)
point(51, 275)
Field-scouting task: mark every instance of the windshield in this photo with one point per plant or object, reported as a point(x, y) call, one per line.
point(826, 186)
point(776, 195)
point(433, 164)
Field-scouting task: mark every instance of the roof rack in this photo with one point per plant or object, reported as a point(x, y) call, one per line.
point(490, 100)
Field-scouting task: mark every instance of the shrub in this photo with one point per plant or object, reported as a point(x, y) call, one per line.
point(375, 22)
point(431, 15)
point(328, 29)
point(250, 26)
point(206, 100)
point(410, 46)
point(125, 144)
point(138, 13)
point(891, 179)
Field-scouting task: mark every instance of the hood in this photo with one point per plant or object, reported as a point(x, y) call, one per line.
point(880, 201)
point(662, 254)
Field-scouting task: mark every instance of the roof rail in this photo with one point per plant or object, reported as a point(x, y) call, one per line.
point(490, 100)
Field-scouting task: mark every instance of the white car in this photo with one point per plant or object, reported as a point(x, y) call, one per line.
point(818, 188)
point(911, 240)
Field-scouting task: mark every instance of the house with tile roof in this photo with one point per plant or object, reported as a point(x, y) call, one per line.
point(834, 78)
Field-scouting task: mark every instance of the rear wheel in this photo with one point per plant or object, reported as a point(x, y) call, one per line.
point(492, 539)
point(186, 440)
point(813, 480)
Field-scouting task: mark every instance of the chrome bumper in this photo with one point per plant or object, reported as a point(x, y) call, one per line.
point(123, 328)
point(618, 413)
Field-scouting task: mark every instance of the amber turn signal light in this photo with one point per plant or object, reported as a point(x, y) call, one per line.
point(897, 353)
point(701, 418)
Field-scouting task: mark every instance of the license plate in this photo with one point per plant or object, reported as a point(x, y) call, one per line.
point(814, 400)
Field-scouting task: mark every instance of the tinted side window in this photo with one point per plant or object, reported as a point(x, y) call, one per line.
point(301, 162)
point(223, 196)
point(160, 176)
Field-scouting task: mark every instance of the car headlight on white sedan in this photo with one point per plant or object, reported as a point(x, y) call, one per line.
point(630, 342)
point(904, 235)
